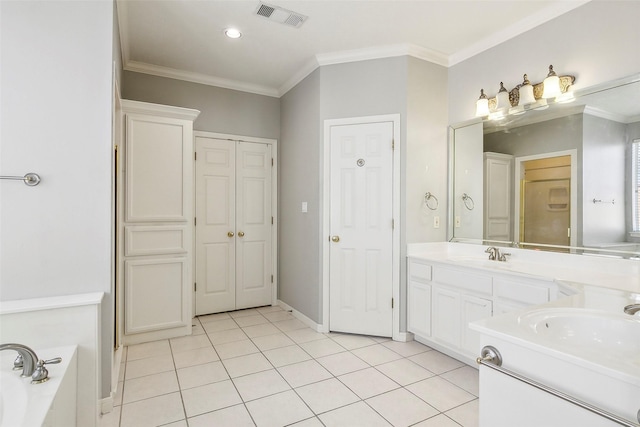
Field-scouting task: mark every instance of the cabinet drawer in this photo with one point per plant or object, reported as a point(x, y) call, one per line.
point(477, 283)
point(419, 271)
point(522, 292)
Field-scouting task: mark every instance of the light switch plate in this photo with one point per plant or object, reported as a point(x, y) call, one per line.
point(436, 222)
point(304, 207)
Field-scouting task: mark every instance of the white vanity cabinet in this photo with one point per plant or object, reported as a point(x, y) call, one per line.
point(443, 298)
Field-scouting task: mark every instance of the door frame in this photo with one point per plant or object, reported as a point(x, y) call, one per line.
point(274, 202)
point(325, 178)
point(573, 214)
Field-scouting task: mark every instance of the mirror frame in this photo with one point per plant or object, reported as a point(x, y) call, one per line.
point(634, 78)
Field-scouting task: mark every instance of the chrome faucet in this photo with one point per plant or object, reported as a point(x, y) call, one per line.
point(632, 309)
point(27, 356)
point(496, 255)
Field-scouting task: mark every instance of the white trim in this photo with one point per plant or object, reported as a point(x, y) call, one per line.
point(274, 200)
point(620, 118)
point(147, 108)
point(325, 174)
point(50, 303)
point(573, 221)
point(301, 317)
point(299, 76)
point(380, 52)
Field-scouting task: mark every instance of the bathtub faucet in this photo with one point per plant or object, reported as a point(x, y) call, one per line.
point(26, 355)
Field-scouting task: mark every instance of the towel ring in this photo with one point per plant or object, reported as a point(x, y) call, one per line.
point(468, 201)
point(427, 197)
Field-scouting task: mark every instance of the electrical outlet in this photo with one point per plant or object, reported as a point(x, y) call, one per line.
point(436, 222)
point(304, 207)
point(458, 223)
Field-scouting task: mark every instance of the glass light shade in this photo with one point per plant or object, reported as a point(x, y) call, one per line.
point(482, 105)
point(526, 94)
point(502, 98)
point(551, 85)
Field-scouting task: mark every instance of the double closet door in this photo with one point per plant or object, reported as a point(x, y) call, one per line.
point(234, 223)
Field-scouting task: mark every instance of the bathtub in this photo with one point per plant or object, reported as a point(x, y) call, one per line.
point(50, 404)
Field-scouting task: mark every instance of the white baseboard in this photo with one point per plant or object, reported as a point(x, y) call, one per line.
point(403, 337)
point(301, 317)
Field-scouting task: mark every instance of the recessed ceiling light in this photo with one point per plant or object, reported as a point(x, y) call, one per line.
point(232, 33)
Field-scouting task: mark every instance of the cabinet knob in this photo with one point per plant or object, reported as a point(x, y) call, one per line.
point(230, 234)
point(240, 233)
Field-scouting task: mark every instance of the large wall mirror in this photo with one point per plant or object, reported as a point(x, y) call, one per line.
point(562, 178)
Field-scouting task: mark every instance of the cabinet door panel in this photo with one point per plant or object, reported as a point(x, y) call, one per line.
point(446, 316)
point(473, 308)
point(419, 320)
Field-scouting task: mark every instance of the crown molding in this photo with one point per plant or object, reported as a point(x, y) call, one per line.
point(308, 68)
point(380, 52)
point(620, 118)
point(172, 73)
point(515, 29)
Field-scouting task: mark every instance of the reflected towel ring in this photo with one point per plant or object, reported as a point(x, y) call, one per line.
point(468, 201)
point(428, 196)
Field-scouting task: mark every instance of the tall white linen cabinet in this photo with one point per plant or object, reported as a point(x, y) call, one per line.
point(156, 221)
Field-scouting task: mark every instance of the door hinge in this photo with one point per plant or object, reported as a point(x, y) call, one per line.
point(393, 224)
point(568, 232)
point(195, 155)
point(195, 221)
point(272, 162)
point(195, 287)
point(391, 302)
point(272, 278)
point(271, 220)
point(393, 144)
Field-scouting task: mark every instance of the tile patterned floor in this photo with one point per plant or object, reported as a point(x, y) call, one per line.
point(263, 367)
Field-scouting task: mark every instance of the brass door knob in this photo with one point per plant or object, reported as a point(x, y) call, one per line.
point(230, 234)
point(240, 233)
point(335, 239)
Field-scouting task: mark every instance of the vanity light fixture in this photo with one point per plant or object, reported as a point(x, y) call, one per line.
point(232, 33)
point(525, 96)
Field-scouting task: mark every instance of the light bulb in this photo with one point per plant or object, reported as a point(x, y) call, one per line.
point(551, 87)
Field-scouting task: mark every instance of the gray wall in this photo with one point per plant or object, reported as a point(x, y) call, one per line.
point(221, 110)
point(596, 42)
point(299, 242)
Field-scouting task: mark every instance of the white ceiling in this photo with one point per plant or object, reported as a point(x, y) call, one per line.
point(184, 38)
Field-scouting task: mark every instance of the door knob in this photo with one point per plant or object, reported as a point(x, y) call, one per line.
point(230, 234)
point(240, 233)
point(335, 239)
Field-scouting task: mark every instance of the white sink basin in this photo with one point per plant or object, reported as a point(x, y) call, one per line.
point(587, 333)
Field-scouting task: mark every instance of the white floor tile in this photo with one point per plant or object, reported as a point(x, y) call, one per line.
point(213, 317)
point(222, 337)
point(321, 348)
point(234, 416)
point(210, 397)
point(150, 386)
point(181, 423)
point(195, 376)
point(368, 382)
point(342, 363)
point(438, 421)
point(111, 419)
point(278, 316)
point(310, 422)
point(269, 309)
point(406, 349)
point(401, 408)
point(197, 329)
point(260, 330)
point(260, 384)
point(123, 368)
point(255, 319)
point(466, 378)
point(149, 366)
point(269, 342)
point(278, 410)
point(466, 415)
point(351, 342)
point(117, 398)
point(305, 335)
point(440, 393)
point(195, 357)
point(289, 325)
point(286, 355)
point(304, 373)
point(358, 414)
point(219, 325)
point(436, 362)
point(376, 354)
point(243, 313)
point(148, 349)
point(235, 349)
point(153, 412)
point(245, 365)
point(326, 395)
point(191, 342)
point(404, 371)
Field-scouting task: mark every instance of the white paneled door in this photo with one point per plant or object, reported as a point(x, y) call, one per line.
point(361, 224)
point(233, 230)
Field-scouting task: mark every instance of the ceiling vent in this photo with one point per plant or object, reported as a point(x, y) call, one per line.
point(280, 15)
